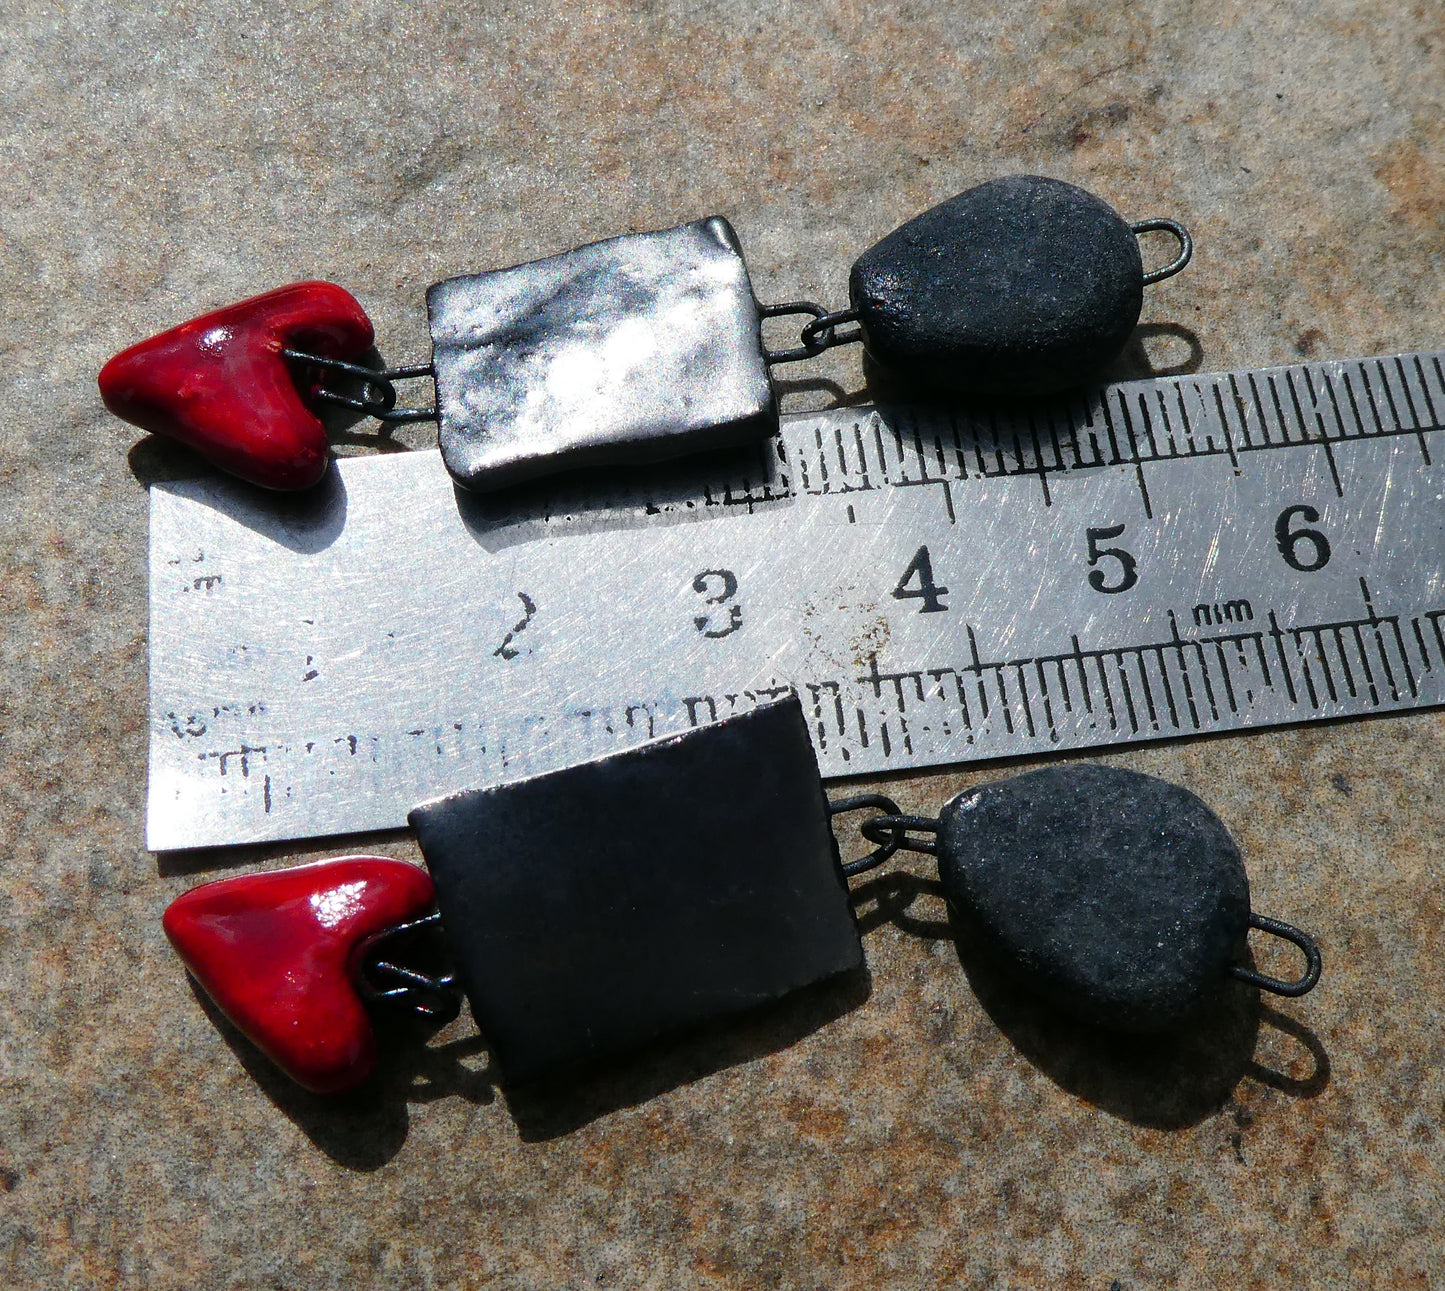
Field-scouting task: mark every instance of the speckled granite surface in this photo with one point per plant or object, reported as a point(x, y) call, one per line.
point(935, 1134)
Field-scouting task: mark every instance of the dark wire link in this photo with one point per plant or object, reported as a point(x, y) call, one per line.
point(436, 998)
point(891, 830)
point(1186, 246)
point(879, 829)
point(822, 333)
point(885, 849)
point(782, 311)
point(429, 997)
point(383, 408)
point(792, 307)
point(1296, 936)
point(817, 336)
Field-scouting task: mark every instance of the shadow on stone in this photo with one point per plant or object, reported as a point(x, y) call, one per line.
point(202, 861)
point(156, 460)
point(1157, 350)
point(566, 1103)
point(888, 898)
point(1310, 1086)
point(600, 499)
point(1168, 1082)
point(365, 1128)
point(836, 396)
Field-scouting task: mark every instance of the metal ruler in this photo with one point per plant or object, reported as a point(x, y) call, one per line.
point(1147, 560)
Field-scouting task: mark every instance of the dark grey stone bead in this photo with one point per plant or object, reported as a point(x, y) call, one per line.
point(636, 349)
point(594, 909)
point(1019, 286)
point(1121, 898)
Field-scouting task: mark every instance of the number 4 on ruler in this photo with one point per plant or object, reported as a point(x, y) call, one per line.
point(921, 568)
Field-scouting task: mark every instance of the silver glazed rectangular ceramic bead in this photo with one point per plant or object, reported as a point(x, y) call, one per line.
point(635, 349)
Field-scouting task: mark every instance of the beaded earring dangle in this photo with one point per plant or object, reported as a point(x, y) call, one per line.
point(647, 347)
point(591, 911)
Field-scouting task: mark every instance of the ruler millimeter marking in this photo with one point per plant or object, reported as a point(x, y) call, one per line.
point(1147, 560)
point(1136, 424)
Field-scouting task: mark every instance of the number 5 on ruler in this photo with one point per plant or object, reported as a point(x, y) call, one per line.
point(1128, 566)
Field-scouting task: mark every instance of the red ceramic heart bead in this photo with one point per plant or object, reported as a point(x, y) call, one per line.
point(220, 385)
point(277, 953)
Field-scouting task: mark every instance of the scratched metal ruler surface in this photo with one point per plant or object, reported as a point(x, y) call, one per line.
point(1152, 559)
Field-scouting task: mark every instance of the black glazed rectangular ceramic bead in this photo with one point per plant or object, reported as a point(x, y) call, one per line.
point(634, 349)
point(597, 908)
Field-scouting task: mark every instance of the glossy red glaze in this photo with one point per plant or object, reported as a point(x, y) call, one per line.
point(277, 953)
point(220, 385)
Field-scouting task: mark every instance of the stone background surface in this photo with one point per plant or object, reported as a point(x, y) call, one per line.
point(162, 159)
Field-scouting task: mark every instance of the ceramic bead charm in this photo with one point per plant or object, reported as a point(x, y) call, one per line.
point(278, 953)
point(221, 384)
point(646, 347)
point(595, 910)
point(615, 352)
point(1121, 898)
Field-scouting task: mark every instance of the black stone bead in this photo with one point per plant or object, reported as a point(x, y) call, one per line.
point(1121, 898)
point(1023, 285)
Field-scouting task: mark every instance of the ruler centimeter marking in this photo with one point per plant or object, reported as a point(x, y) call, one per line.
point(1146, 560)
point(1180, 686)
point(1367, 399)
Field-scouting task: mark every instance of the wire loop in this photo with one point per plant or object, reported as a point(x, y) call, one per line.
point(383, 407)
point(436, 998)
point(889, 831)
point(1186, 246)
point(819, 335)
point(1288, 932)
point(897, 828)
